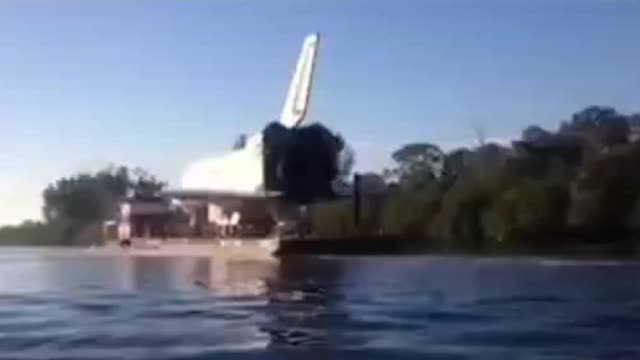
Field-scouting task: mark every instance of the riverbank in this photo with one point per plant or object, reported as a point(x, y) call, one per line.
point(227, 248)
point(397, 245)
point(355, 246)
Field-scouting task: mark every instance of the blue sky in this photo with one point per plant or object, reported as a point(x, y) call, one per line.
point(159, 83)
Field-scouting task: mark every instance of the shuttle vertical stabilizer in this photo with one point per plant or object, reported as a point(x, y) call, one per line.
point(297, 102)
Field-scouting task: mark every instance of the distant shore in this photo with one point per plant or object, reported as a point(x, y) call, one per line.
point(352, 246)
point(397, 245)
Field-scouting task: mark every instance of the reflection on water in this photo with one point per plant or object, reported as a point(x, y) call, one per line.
point(67, 304)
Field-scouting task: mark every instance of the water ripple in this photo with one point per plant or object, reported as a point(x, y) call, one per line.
point(316, 308)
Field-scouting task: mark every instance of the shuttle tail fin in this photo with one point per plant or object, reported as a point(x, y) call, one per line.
point(296, 104)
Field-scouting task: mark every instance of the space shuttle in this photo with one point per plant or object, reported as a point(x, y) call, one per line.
point(248, 171)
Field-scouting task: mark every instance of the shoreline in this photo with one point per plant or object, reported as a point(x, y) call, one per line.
point(348, 246)
point(397, 245)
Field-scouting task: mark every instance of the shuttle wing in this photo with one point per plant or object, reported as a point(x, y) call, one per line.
point(297, 101)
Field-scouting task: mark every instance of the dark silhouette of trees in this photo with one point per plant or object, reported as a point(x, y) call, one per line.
point(417, 164)
point(549, 190)
point(74, 207)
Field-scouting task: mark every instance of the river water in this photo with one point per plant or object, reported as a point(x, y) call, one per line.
point(75, 304)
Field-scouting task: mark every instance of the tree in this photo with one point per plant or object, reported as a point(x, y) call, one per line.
point(417, 164)
point(535, 134)
point(580, 184)
point(459, 223)
point(606, 190)
point(457, 163)
point(84, 200)
point(600, 125)
point(489, 160)
point(410, 211)
point(529, 207)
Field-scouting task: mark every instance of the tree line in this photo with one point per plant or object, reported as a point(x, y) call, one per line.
point(75, 207)
point(577, 186)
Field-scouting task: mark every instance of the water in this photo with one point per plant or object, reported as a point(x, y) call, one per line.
point(74, 304)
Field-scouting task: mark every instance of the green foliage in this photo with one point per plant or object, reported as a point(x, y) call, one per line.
point(549, 189)
point(535, 133)
point(602, 125)
point(417, 164)
point(336, 218)
point(32, 233)
point(332, 219)
point(529, 207)
point(75, 207)
point(459, 222)
point(86, 198)
point(408, 212)
point(608, 187)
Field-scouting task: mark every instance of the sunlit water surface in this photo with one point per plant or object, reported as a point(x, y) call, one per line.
point(78, 304)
